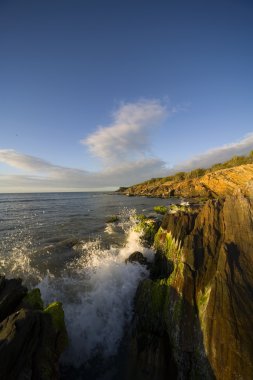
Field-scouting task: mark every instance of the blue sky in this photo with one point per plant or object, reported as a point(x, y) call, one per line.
point(100, 94)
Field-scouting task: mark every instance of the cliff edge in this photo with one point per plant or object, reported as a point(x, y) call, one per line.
point(194, 315)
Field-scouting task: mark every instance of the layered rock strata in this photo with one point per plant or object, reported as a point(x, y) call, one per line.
point(211, 185)
point(194, 315)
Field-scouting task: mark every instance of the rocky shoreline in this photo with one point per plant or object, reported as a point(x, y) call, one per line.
point(211, 185)
point(193, 316)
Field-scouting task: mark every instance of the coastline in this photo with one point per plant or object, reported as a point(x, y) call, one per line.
point(191, 313)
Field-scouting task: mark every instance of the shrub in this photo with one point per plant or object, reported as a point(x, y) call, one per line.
point(196, 173)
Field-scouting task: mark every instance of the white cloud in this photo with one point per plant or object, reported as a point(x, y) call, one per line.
point(27, 163)
point(24, 161)
point(59, 178)
point(124, 148)
point(217, 155)
point(48, 177)
point(128, 137)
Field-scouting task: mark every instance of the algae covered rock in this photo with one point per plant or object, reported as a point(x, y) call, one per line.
point(31, 339)
point(56, 312)
point(148, 226)
point(33, 300)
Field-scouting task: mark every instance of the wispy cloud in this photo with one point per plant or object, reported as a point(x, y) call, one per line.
point(57, 178)
point(27, 163)
point(219, 154)
point(128, 137)
point(124, 147)
point(24, 161)
point(46, 176)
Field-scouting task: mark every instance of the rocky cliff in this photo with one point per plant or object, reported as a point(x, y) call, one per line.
point(194, 315)
point(31, 337)
point(213, 184)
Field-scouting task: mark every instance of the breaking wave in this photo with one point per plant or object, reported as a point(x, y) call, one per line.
point(97, 289)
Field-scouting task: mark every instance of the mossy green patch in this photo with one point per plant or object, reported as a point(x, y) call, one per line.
point(165, 242)
point(56, 311)
point(152, 291)
point(148, 228)
point(202, 300)
point(181, 208)
point(33, 299)
point(57, 314)
point(141, 217)
point(161, 209)
point(150, 303)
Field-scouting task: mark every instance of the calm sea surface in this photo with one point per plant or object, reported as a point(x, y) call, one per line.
point(62, 243)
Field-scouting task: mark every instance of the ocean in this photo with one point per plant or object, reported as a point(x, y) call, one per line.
point(62, 244)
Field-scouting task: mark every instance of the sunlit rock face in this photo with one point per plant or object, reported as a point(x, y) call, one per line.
point(214, 184)
point(194, 317)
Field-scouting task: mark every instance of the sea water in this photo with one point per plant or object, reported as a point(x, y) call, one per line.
point(62, 243)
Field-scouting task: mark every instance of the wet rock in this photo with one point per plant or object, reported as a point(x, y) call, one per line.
point(31, 338)
point(11, 293)
point(137, 257)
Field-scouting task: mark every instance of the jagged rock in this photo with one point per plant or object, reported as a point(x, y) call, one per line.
point(137, 257)
point(11, 293)
point(31, 339)
point(203, 307)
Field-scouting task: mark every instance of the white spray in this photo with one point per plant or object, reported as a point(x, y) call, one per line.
point(97, 291)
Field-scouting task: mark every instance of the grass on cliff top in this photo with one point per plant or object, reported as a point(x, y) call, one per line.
point(197, 173)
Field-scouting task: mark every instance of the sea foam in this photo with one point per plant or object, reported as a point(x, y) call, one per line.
point(97, 291)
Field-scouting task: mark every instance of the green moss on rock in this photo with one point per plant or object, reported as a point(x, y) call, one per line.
point(165, 242)
point(33, 299)
point(57, 314)
point(202, 302)
point(149, 304)
point(56, 311)
point(161, 209)
point(148, 227)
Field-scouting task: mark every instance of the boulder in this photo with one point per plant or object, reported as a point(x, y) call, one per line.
point(11, 293)
point(31, 338)
point(137, 257)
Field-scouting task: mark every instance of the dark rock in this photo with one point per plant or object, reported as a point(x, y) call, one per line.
point(31, 339)
point(137, 257)
point(27, 346)
point(11, 293)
